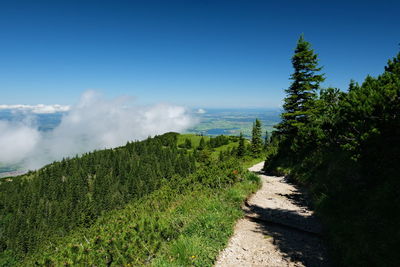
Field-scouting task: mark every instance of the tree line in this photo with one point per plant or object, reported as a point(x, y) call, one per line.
point(345, 146)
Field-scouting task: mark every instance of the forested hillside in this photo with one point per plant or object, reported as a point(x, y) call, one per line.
point(46, 214)
point(75, 191)
point(345, 146)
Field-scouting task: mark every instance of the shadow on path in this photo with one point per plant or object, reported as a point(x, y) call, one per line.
point(297, 236)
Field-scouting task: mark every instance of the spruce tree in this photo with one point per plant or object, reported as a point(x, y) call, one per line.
point(298, 103)
point(241, 148)
point(188, 143)
point(221, 156)
point(202, 144)
point(256, 141)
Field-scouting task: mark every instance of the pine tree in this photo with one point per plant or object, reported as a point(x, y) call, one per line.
point(302, 92)
point(256, 141)
point(241, 148)
point(188, 143)
point(204, 156)
point(221, 156)
point(202, 144)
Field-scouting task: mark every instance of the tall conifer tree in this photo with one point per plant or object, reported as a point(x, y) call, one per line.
point(241, 148)
point(202, 144)
point(256, 141)
point(302, 92)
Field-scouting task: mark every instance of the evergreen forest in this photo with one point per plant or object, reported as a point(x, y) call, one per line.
point(345, 147)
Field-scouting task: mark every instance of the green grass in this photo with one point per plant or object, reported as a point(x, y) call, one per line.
point(208, 228)
point(195, 139)
point(248, 161)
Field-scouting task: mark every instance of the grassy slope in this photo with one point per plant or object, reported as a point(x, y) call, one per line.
point(208, 227)
point(174, 226)
point(167, 228)
point(195, 139)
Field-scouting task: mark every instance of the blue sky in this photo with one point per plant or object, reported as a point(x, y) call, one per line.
point(193, 53)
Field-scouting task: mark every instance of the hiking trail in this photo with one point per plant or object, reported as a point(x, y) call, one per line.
point(279, 229)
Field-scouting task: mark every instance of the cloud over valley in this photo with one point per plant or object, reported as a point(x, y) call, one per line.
point(93, 123)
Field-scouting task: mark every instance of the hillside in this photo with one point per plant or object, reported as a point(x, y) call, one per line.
point(90, 209)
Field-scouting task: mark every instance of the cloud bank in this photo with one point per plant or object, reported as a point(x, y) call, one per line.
point(16, 140)
point(37, 109)
point(93, 123)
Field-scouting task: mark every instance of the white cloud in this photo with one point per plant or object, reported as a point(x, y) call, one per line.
point(93, 123)
point(37, 109)
point(200, 111)
point(16, 141)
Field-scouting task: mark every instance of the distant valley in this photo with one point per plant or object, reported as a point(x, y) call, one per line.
point(212, 122)
point(234, 121)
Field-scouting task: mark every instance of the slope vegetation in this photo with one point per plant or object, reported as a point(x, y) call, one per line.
point(149, 202)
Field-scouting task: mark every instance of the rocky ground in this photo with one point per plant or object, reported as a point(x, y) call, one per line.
point(279, 229)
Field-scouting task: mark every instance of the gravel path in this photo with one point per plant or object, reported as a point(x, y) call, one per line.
point(278, 230)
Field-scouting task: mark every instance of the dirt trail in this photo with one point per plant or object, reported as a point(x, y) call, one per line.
point(279, 229)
